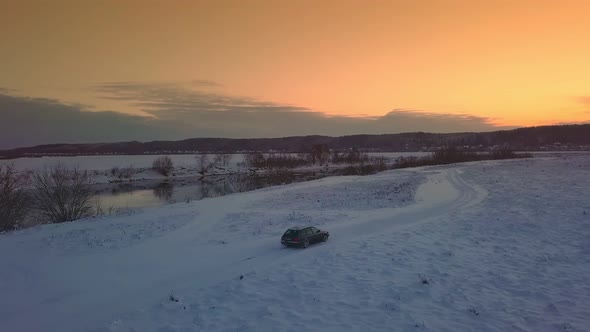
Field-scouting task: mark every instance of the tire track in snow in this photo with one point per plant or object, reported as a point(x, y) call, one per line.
point(445, 192)
point(180, 261)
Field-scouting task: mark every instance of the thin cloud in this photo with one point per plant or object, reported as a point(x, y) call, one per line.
point(155, 98)
point(181, 113)
point(32, 121)
point(7, 90)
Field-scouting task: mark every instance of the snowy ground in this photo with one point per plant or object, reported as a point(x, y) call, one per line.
point(484, 246)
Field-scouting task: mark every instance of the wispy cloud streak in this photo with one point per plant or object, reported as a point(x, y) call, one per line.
point(197, 109)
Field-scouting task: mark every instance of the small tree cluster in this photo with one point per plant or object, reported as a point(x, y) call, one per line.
point(204, 164)
point(163, 165)
point(409, 161)
point(502, 153)
point(449, 155)
point(380, 163)
point(320, 153)
point(275, 160)
point(13, 199)
point(351, 157)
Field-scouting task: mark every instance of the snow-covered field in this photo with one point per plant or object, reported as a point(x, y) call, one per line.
point(483, 246)
point(105, 163)
point(185, 166)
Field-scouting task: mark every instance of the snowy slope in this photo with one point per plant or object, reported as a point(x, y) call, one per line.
point(485, 246)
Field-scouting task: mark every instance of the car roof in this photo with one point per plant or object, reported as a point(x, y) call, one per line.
point(298, 228)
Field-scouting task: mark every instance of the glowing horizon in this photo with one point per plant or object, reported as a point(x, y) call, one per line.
point(510, 63)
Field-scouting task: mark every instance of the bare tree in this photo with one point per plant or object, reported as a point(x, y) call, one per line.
point(203, 163)
point(226, 158)
point(321, 153)
point(336, 157)
point(63, 194)
point(163, 165)
point(218, 160)
point(13, 199)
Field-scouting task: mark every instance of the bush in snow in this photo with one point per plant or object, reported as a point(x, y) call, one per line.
point(424, 280)
point(123, 173)
point(63, 194)
point(502, 153)
point(163, 165)
point(451, 154)
point(276, 160)
point(13, 199)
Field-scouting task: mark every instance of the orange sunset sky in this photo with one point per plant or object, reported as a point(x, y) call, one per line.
point(506, 63)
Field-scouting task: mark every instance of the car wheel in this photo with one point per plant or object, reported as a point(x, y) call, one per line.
point(306, 243)
point(325, 238)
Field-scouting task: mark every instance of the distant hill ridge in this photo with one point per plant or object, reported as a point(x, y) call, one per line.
point(565, 137)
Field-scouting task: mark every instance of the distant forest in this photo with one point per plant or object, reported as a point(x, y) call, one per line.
point(563, 137)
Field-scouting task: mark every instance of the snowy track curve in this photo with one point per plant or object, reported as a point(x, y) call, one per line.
point(97, 287)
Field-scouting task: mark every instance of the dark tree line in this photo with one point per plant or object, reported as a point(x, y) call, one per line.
point(531, 138)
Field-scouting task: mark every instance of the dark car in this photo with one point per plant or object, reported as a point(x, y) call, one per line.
point(303, 236)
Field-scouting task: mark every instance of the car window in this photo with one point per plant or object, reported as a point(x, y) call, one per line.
point(291, 232)
point(313, 230)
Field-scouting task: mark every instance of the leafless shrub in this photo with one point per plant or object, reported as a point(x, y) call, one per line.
point(255, 160)
point(337, 157)
point(354, 156)
point(163, 165)
point(240, 182)
point(380, 163)
point(63, 194)
point(13, 199)
point(217, 160)
point(123, 173)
